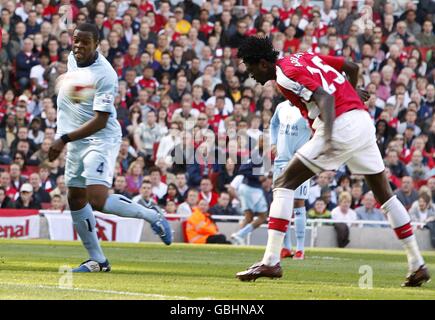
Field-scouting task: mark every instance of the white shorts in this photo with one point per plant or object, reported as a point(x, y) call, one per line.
point(301, 192)
point(354, 135)
point(91, 162)
point(252, 199)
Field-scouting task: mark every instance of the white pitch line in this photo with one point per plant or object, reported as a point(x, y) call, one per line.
point(125, 293)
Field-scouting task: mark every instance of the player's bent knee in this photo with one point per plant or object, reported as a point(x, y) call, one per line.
point(97, 203)
point(77, 203)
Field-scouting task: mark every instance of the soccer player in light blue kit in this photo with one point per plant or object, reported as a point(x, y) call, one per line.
point(288, 132)
point(92, 134)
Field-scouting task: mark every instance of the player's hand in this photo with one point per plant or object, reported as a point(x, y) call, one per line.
point(363, 94)
point(273, 150)
point(55, 149)
point(329, 150)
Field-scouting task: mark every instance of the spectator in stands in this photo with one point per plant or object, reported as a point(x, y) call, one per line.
point(326, 195)
point(416, 169)
point(17, 179)
point(426, 37)
point(124, 156)
point(315, 191)
point(171, 195)
point(145, 197)
point(396, 166)
point(368, 211)
point(35, 133)
point(201, 228)
point(422, 210)
point(227, 175)
point(191, 202)
point(181, 184)
point(206, 192)
point(5, 182)
point(159, 188)
point(168, 143)
point(5, 157)
point(134, 177)
point(120, 186)
point(406, 193)
point(186, 114)
point(60, 190)
point(39, 194)
point(343, 22)
point(319, 210)
point(25, 60)
point(8, 128)
point(223, 207)
point(26, 200)
point(343, 212)
point(5, 201)
point(57, 203)
point(147, 134)
point(402, 33)
point(42, 154)
point(345, 215)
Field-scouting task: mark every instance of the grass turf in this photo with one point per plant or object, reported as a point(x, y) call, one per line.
point(29, 269)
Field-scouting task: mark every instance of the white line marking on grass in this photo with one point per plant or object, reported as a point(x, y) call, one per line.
point(124, 293)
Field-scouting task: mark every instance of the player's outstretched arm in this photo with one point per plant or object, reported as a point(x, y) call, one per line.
point(326, 104)
point(352, 71)
point(98, 122)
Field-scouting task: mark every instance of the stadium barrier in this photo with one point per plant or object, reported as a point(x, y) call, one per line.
point(56, 225)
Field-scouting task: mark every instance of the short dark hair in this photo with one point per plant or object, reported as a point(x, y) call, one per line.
point(88, 27)
point(154, 168)
point(253, 49)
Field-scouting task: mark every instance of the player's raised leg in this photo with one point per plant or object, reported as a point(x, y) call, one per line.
point(401, 223)
point(122, 206)
point(280, 212)
point(84, 223)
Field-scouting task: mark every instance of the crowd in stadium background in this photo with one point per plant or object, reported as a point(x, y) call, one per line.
point(182, 88)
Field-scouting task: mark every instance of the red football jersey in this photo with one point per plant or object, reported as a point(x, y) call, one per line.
point(148, 83)
point(299, 75)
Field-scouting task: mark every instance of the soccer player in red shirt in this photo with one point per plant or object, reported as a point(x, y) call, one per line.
point(344, 134)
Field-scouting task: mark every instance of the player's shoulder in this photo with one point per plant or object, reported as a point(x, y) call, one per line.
point(107, 72)
point(284, 104)
point(295, 61)
point(72, 64)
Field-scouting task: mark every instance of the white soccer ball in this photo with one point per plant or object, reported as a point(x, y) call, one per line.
point(78, 86)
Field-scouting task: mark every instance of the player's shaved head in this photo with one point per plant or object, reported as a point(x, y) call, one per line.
point(88, 27)
point(84, 45)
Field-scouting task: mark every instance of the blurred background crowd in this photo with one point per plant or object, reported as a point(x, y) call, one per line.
point(177, 69)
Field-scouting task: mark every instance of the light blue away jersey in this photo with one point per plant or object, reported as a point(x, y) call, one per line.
point(288, 131)
point(72, 115)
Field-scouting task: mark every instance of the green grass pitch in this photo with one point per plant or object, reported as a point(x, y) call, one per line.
point(29, 269)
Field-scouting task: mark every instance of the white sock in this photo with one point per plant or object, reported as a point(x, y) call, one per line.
point(280, 214)
point(415, 260)
point(273, 248)
point(400, 222)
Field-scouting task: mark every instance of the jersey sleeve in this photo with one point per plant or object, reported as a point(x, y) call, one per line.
point(297, 80)
point(104, 99)
point(335, 62)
